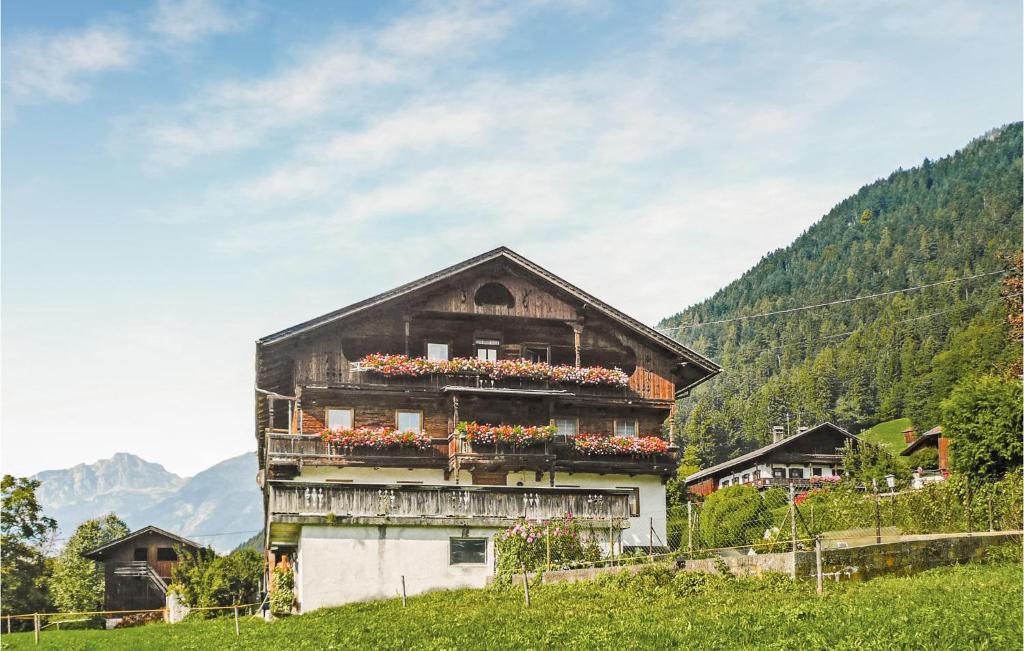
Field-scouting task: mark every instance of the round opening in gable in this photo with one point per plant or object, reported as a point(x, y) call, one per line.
point(494, 294)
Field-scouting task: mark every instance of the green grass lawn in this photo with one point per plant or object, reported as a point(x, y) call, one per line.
point(888, 434)
point(966, 607)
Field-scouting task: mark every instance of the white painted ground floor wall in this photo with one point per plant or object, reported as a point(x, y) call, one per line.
point(341, 564)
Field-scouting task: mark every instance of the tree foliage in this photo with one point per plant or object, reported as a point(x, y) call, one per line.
point(24, 536)
point(863, 362)
point(205, 579)
point(982, 418)
point(77, 583)
point(868, 464)
point(740, 515)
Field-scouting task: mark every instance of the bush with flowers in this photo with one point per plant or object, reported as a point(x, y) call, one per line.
point(600, 444)
point(378, 438)
point(405, 366)
point(487, 434)
point(527, 543)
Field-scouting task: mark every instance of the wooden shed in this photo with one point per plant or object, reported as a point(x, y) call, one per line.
point(137, 567)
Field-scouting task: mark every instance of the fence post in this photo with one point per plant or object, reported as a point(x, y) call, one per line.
point(650, 544)
point(237, 632)
point(991, 520)
point(403, 591)
point(526, 586)
point(35, 626)
point(878, 518)
point(547, 544)
point(817, 563)
point(689, 527)
point(792, 527)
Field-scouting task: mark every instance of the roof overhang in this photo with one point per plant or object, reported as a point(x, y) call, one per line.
point(762, 451)
point(648, 333)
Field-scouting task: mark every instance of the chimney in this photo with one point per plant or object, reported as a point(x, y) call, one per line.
point(802, 429)
point(778, 433)
point(909, 436)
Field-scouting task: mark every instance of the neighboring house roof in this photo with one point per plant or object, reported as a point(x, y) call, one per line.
point(501, 252)
point(98, 553)
point(931, 436)
point(760, 452)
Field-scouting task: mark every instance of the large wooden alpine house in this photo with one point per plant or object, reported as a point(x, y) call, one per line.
point(397, 435)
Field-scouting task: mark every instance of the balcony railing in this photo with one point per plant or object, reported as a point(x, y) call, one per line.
point(287, 453)
point(480, 502)
point(311, 449)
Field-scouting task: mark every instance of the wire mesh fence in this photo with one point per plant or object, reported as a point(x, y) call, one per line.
point(749, 521)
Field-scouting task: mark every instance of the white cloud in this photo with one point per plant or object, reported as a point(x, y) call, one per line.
point(187, 21)
point(346, 74)
point(58, 67)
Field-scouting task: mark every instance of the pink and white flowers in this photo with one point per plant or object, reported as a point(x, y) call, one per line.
point(486, 434)
point(379, 438)
point(600, 444)
point(405, 366)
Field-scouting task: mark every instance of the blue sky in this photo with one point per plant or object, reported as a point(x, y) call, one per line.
point(180, 178)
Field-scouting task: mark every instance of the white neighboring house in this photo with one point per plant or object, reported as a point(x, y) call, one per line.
point(812, 455)
point(403, 490)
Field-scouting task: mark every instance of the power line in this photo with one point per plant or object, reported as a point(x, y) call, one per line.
point(850, 332)
point(830, 303)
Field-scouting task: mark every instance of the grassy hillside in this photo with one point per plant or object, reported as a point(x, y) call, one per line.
point(888, 434)
point(862, 362)
point(653, 611)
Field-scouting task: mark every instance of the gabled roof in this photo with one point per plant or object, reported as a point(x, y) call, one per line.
point(760, 452)
point(930, 436)
point(99, 552)
point(510, 255)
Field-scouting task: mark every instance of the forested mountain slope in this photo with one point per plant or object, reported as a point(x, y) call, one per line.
point(866, 361)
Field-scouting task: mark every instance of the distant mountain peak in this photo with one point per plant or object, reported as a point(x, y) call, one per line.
point(222, 498)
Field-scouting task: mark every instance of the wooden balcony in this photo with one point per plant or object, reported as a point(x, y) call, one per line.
point(569, 459)
point(293, 504)
point(800, 484)
point(287, 454)
point(437, 382)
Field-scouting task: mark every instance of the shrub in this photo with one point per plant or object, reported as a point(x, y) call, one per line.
point(740, 515)
point(282, 594)
point(527, 544)
point(207, 580)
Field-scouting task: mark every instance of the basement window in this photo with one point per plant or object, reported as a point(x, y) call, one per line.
point(166, 554)
point(467, 551)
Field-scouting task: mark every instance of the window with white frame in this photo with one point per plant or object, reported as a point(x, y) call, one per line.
point(625, 428)
point(567, 426)
point(437, 352)
point(487, 349)
point(409, 421)
point(339, 418)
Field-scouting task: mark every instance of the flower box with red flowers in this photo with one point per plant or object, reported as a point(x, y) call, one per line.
point(377, 438)
point(405, 366)
point(515, 435)
point(603, 445)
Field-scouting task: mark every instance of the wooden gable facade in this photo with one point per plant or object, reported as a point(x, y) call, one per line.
point(496, 306)
point(137, 567)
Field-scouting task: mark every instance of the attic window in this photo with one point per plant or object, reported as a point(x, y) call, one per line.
point(494, 294)
point(166, 554)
